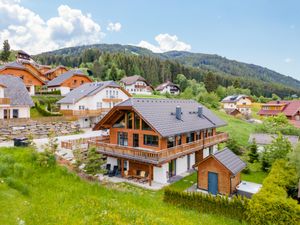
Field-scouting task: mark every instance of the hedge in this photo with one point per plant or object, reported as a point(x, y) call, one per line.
point(271, 205)
point(45, 112)
point(234, 207)
point(56, 92)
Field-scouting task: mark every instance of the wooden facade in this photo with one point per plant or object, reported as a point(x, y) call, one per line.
point(134, 140)
point(53, 73)
point(226, 182)
point(75, 81)
point(29, 78)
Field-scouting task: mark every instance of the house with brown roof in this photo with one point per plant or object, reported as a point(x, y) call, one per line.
point(31, 79)
point(68, 81)
point(291, 109)
point(168, 87)
point(158, 140)
point(136, 84)
point(55, 72)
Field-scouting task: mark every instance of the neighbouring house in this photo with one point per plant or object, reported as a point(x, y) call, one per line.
point(15, 101)
point(31, 79)
point(291, 109)
point(90, 101)
point(242, 103)
point(136, 85)
point(263, 139)
point(220, 172)
point(55, 72)
point(158, 140)
point(22, 55)
point(44, 69)
point(168, 87)
point(68, 81)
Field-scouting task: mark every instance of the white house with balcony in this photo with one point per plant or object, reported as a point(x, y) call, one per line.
point(137, 85)
point(90, 101)
point(15, 101)
point(240, 103)
point(168, 87)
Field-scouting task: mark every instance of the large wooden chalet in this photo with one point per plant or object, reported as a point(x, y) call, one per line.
point(158, 138)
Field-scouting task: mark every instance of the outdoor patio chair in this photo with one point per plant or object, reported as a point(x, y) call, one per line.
point(107, 168)
point(144, 177)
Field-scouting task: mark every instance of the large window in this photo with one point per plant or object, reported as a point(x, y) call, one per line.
point(120, 123)
point(129, 120)
point(190, 137)
point(178, 139)
point(15, 113)
point(150, 140)
point(136, 122)
point(145, 126)
point(171, 142)
point(122, 138)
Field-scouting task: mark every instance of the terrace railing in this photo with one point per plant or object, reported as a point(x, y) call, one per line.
point(157, 157)
point(4, 101)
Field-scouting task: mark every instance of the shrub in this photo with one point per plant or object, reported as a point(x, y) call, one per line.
point(253, 155)
point(93, 162)
point(45, 112)
point(271, 205)
point(221, 205)
point(233, 146)
point(46, 159)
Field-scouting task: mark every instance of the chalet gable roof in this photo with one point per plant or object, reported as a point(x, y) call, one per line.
point(160, 114)
point(166, 84)
point(63, 77)
point(133, 79)
point(87, 89)
point(16, 91)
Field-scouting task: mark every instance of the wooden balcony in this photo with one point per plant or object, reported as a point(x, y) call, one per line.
point(4, 101)
point(243, 106)
point(157, 157)
point(86, 112)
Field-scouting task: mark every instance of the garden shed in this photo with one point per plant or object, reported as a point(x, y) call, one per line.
point(219, 173)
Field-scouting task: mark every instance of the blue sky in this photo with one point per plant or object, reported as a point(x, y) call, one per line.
point(262, 32)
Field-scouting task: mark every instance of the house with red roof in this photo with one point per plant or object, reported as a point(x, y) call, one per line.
point(291, 109)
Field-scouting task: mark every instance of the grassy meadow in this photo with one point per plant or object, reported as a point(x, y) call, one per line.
point(30, 194)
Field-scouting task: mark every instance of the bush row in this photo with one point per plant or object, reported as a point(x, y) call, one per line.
point(234, 207)
point(56, 92)
point(45, 112)
point(271, 205)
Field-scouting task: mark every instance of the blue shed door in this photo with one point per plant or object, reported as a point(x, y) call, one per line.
point(213, 183)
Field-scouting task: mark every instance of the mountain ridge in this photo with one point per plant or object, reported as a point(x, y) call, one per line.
point(211, 62)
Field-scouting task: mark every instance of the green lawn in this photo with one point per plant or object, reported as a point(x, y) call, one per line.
point(34, 113)
point(56, 196)
point(236, 128)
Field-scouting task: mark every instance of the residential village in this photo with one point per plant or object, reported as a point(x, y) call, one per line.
point(148, 136)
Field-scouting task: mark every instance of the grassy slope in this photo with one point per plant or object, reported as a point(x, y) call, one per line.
point(59, 197)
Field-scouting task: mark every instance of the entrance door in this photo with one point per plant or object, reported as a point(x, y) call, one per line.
point(135, 140)
point(6, 114)
point(213, 183)
point(172, 168)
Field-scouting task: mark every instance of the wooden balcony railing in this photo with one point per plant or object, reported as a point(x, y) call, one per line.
point(112, 100)
point(85, 112)
point(77, 143)
point(4, 101)
point(157, 157)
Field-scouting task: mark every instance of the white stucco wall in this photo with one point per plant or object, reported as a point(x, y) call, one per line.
point(133, 90)
point(206, 151)
point(24, 112)
point(160, 173)
point(63, 90)
point(181, 165)
point(112, 161)
point(167, 89)
point(1, 92)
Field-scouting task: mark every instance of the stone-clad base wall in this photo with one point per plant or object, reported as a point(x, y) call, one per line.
point(38, 129)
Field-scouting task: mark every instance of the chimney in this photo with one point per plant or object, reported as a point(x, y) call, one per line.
point(178, 112)
point(200, 111)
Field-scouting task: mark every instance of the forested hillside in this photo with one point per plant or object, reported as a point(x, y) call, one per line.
point(115, 61)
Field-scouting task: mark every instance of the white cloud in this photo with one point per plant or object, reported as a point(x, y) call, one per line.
point(166, 42)
point(288, 60)
point(28, 31)
point(114, 26)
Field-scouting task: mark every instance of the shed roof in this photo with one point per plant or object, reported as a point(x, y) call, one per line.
point(87, 89)
point(160, 114)
point(63, 77)
point(16, 91)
